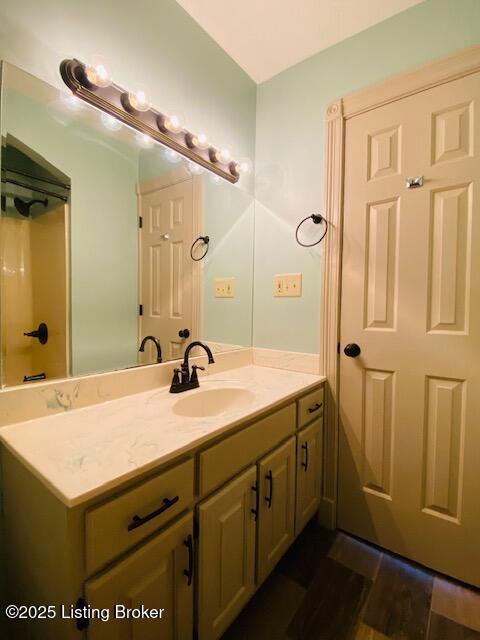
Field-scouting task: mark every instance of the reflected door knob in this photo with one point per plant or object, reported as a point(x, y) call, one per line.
point(184, 333)
point(352, 350)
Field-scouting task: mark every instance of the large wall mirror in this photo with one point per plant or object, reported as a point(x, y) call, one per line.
point(96, 235)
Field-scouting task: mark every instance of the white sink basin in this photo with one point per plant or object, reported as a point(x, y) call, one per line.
point(213, 402)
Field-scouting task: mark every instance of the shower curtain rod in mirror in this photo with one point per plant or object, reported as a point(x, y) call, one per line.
point(25, 174)
point(35, 189)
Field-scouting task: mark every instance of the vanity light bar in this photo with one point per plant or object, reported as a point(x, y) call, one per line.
point(115, 101)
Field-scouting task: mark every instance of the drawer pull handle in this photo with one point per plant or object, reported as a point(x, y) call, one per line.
point(255, 511)
point(269, 498)
point(305, 448)
point(188, 542)
point(315, 407)
point(137, 521)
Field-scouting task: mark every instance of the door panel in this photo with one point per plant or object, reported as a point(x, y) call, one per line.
point(409, 403)
point(276, 512)
point(226, 572)
point(154, 577)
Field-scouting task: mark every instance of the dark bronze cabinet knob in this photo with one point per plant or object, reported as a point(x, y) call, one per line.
point(352, 350)
point(184, 333)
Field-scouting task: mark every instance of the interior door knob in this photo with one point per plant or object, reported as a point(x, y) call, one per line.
point(184, 333)
point(352, 350)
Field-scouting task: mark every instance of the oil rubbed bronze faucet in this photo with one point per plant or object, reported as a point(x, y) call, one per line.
point(182, 380)
point(156, 342)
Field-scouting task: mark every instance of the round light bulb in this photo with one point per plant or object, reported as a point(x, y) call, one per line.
point(195, 168)
point(173, 123)
point(144, 141)
point(244, 166)
point(71, 101)
point(172, 156)
point(214, 179)
point(223, 155)
point(98, 75)
point(201, 141)
point(110, 122)
point(139, 100)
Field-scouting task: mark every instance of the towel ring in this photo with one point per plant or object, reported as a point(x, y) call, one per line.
point(317, 219)
point(206, 241)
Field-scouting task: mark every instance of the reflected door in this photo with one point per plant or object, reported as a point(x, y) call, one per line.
point(410, 402)
point(166, 267)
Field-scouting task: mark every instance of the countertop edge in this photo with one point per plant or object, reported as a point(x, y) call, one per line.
point(177, 453)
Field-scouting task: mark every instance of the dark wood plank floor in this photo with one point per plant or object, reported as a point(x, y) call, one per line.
point(331, 586)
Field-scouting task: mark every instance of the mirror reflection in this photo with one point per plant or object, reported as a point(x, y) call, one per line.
point(114, 251)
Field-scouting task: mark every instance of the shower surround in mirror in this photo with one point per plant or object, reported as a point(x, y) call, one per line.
point(106, 260)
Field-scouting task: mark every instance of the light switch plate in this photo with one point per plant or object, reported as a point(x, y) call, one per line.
point(224, 288)
point(287, 285)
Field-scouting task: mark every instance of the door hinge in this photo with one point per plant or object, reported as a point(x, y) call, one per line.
point(82, 621)
point(196, 529)
point(140, 309)
point(338, 347)
point(140, 222)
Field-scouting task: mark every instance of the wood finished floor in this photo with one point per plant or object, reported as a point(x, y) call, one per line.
point(330, 586)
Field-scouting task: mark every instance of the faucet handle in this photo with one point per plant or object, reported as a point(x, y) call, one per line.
point(194, 377)
point(175, 386)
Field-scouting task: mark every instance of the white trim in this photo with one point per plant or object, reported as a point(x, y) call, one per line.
point(421, 78)
point(334, 136)
point(453, 67)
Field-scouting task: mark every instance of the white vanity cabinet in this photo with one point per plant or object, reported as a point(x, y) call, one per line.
point(195, 537)
point(158, 576)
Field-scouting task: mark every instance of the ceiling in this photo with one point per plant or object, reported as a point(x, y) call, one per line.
point(265, 37)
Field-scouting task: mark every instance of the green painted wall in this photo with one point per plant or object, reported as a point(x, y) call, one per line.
point(229, 222)
point(289, 150)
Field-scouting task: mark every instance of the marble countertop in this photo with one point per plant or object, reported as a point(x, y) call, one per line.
point(83, 452)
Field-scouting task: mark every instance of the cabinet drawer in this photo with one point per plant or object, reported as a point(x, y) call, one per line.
point(117, 525)
point(224, 460)
point(310, 407)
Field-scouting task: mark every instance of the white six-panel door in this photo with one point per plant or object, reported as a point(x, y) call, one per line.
point(409, 459)
point(166, 267)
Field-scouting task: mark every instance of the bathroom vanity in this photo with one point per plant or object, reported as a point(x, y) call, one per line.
point(182, 503)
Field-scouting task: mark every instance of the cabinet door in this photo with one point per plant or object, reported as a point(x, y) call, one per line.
point(276, 513)
point(226, 570)
point(309, 467)
point(153, 576)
